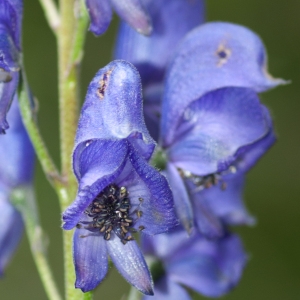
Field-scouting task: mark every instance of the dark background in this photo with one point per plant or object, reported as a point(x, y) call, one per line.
point(273, 187)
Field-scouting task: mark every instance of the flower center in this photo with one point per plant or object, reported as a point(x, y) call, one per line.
point(110, 212)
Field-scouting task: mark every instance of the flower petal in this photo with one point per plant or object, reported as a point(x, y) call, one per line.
point(17, 148)
point(227, 204)
point(166, 289)
point(214, 127)
point(100, 12)
point(181, 198)
point(211, 268)
point(96, 165)
point(113, 107)
point(164, 245)
point(212, 56)
point(133, 12)
point(157, 205)
point(208, 223)
point(11, 230)
point(130, 262)
point(90, 259)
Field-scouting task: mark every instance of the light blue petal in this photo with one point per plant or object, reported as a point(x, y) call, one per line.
point(130, 262)
point(211, 268)
point(181, 198)
point(11, 230)
point(90, 259)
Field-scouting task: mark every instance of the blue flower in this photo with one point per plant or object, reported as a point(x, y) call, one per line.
point(213, 127)
point(220, 136)
point(211, 268)
point(119, 192)
point(10, 35)
point(17, 171)
point(150, 55)
point(132, 11)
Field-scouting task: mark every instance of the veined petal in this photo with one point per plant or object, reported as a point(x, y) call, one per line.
point(211, 268)
point(166, 289)
point(181, 198)
point(215, 127)
point(90, 259)
point(130, 262)
point(133, 12)
point(97, 165)
point(212, 56)
point(100, 12)
point(11, 230)
point(113, 107)
point(157, 204)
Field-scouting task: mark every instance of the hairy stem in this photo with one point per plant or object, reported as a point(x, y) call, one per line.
point(41, 150)
point(70, 47)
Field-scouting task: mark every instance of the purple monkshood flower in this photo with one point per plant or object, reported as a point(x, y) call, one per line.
point(211, 268)
point(10, 35)
point(150, 55)
point(131, 11)
point(16, 171)
point(213, 126)
point(119, 192)
point(219, 137)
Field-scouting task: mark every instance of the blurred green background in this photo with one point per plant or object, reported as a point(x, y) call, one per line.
point(273, 188)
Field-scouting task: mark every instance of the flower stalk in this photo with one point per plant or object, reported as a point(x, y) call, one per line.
point(70, 36)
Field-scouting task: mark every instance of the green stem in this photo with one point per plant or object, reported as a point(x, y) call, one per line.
point(70, 44)
point(24, 200)
point(51, 14)
point(30, 124)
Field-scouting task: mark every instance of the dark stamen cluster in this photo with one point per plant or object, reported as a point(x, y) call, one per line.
point(206, 182)
point(110, 212)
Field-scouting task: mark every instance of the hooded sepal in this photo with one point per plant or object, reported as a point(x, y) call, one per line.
point(113, 108)
point(212, 56)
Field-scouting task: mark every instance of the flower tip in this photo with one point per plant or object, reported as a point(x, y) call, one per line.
point(147, 30)
point(148, 290)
